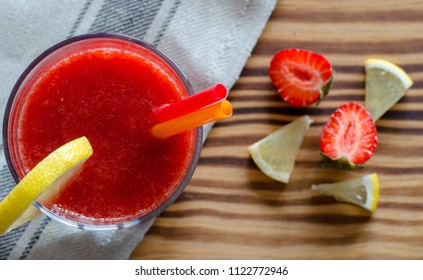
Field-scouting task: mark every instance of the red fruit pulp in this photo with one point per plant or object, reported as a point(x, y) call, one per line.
point(107, 95)
point(350, 135)
point(301, 77)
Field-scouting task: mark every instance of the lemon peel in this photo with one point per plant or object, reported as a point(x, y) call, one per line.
point(386, 84)
point(363, 191)
point(43, 181)
point(275, 153)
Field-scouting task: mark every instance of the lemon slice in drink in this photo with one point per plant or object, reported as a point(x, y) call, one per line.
point(43, 181)
point(275, 154)
point(363, 191)
point(386, 83)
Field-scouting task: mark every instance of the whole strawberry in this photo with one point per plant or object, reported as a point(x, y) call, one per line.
point(349, 137)
point(301, 77)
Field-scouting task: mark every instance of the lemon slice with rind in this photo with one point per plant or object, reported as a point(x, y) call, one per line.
point(363, 191)
point(43, 181)
point(386, 83)
point(275, 154)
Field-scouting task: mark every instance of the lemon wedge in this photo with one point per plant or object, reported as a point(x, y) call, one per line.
point(363, 191)
point(43, 181)
point(275, 154)
point(386, 83)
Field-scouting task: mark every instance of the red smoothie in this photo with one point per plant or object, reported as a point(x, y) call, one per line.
point(108, 94)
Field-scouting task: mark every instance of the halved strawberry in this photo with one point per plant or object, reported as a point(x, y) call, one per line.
point(349, 136)
point(301, 77)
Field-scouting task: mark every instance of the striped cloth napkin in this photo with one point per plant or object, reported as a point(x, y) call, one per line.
point(210, 40)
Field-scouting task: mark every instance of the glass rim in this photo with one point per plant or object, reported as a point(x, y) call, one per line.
point(185, 82)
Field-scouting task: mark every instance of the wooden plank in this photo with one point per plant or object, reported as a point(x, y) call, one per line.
point(230, 210)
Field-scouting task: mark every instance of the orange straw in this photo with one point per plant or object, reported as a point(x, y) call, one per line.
point(194, 119)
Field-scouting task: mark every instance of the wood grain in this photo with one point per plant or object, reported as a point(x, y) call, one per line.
point(230, 210)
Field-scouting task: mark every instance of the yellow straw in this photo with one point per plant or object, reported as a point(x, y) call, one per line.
point(197, 118)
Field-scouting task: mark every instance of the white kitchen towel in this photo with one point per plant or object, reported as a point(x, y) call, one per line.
point(209, 39)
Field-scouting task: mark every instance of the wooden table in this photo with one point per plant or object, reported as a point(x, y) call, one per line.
point(230, 210)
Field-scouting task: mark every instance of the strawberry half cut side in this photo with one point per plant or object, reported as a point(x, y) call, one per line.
point(301, 77)
point(350, 136)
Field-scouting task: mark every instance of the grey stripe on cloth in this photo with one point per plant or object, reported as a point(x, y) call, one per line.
point(8, 241)
point(134, 18)
point(34, 238)
point(209, 40)
point(79, 18)
point(6, 181)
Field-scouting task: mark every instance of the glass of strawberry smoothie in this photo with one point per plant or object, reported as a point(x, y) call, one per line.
point(105, 87)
